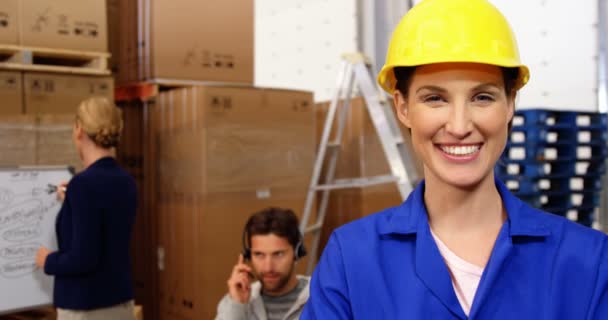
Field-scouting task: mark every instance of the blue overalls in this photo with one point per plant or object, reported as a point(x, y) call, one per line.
point(387, 266)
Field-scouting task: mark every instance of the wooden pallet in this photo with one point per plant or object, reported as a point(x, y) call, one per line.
point(136, 91)
point(53, 60)
point(149, 89)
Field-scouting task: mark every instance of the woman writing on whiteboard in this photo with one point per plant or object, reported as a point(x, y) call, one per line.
point(92, 266)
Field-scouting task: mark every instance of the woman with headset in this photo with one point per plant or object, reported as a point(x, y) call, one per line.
point(273, 244)
point(461, 246)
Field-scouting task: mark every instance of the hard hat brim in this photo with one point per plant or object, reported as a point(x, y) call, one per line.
point(386, 76)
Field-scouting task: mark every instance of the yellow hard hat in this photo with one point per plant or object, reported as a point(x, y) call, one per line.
point(436, 31)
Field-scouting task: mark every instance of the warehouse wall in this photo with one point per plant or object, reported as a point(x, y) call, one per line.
point(561, 49)
point(298, 44)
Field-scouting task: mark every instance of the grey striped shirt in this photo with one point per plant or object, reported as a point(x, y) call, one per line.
point(277, 307)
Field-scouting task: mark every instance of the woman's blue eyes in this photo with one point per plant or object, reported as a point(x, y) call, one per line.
point(433, 98)
point(483, 97)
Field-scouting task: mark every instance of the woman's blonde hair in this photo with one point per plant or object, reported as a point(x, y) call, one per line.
point(101, 120)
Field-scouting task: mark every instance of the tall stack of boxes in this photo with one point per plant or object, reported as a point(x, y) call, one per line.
point(223, 153)
point(555, 161)
point(44, 101)
point(207, 148)
point(136, 145)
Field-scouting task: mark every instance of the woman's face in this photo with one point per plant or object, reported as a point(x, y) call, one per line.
point(458, 114)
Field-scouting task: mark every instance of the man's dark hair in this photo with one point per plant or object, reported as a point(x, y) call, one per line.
point(281, 222)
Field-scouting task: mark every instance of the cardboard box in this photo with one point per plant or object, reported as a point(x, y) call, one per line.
point(187, 40)
point(17, 140)
point(138, 312)
point(237, 136)
point(9, 22)
point(54, 141)
point(38, 140)
point(223, 153)
point(60, 94)
point(114, 31)
point(135, 147)
point(64, 24)
point(11, 92)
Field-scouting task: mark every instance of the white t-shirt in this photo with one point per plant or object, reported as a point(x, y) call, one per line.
point(465, 276)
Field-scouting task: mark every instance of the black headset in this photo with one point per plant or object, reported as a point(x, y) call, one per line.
point(299, 249)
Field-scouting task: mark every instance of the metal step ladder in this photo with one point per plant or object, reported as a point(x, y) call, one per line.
point(356, 68)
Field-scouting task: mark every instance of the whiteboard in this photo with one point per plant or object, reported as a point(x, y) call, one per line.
point(28, 209)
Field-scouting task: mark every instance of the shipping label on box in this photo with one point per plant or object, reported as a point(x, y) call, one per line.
point(64, 24)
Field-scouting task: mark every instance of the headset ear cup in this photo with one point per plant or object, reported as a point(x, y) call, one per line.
point(302, 251)
point(246, 254)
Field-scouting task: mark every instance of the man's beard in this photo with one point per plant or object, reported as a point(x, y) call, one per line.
point(279, 285)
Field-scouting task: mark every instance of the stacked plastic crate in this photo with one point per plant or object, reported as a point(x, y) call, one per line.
point(554, 160)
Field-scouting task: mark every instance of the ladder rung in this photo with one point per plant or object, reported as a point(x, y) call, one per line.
point(314, 228)
point(356, 74)
point(357, 182)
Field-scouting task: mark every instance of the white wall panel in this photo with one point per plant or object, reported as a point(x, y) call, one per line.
point(298, 43)
point(558, 40)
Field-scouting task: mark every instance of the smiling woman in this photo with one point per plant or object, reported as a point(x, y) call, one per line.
point(461, 246)
point(458, 114)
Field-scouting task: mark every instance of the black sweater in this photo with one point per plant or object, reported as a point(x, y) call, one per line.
point(92, 265)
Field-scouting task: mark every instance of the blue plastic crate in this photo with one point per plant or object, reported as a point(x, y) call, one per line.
point(551, 201)
point(548, 200)
point(525, 169)
point(542, 134)
point(554, 152)
point(559, 119)
point(532, 186)
point(586, 216)
point(538, 169)
point(561, 152)
point(593, 152)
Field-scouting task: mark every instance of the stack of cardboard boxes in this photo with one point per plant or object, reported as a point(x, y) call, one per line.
point(45, 102)
point(223, 153)
point(205, 155)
